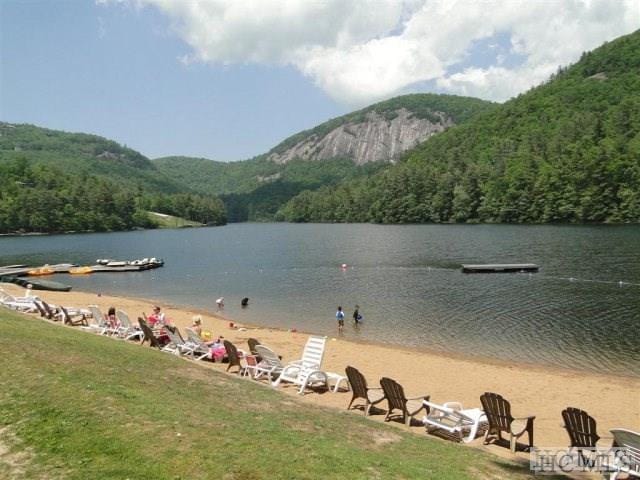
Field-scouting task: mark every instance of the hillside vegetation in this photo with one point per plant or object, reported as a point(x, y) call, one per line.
point(255, 189)
point(421, 105)
point(79, 406)
point(566, 151)
point(52, 181)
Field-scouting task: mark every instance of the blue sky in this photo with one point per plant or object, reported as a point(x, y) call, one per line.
point(228, 80)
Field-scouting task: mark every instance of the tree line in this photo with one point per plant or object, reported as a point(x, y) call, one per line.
point(36, 197)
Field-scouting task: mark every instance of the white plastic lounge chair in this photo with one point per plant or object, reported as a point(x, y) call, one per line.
point(452, 418)
point(306, 372)
point(176, 344)
point(313, 353)
point(629, 463)
point(199, 349)
point(126, 329)
point(269, 365)
point(302, 376)
point(22, 304)
point(95, 321)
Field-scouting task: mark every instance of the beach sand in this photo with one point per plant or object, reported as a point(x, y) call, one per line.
point(614, 401)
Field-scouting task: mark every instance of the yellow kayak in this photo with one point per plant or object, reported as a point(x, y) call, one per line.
point(41, 271)
point(80, 270)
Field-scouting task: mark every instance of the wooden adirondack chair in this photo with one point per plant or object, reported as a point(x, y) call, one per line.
point(49, 312)
point(43, 313)
point(498, 411)
point(148, 334)
point(74, 322)
point(397, 400)
point(253, 343)
point(581, 428)
point(233, 355)
point(370, 395)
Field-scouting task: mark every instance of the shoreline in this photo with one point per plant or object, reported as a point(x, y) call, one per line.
point(454, 356)
point(532, 389)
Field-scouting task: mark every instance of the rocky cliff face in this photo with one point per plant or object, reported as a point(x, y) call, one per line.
point(375, 139)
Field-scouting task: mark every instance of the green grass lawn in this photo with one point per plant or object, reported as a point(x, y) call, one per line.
point(78, 406)
point(169, 221)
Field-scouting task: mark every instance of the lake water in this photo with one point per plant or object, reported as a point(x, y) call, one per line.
point(407, 280)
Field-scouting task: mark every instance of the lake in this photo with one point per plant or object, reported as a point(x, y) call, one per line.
point(582, 310)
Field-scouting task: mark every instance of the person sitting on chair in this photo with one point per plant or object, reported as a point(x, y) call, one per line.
point(196, 324)
point(157, 318)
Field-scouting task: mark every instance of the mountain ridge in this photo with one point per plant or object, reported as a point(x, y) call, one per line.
point(565, 151)
point(380, 132)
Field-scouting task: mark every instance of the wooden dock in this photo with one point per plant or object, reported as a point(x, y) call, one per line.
point(501, 268)
point(22, 270)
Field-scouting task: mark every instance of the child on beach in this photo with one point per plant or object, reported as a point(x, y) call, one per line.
point(340, 318)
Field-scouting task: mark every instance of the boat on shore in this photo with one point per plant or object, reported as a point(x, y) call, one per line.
point(105, 264)
point(80, 270)
point(37, 272)
point(36, 284)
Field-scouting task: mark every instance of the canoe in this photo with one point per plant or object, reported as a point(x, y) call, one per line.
point(37, 284)
point(40, 271)
point(80, 270)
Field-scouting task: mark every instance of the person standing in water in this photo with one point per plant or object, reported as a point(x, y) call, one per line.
point(356, 316)
point(340, 318)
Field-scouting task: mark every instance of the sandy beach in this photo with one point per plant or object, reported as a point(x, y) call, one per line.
point(613, 401)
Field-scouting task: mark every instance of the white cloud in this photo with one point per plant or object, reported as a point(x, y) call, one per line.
point(360, 51)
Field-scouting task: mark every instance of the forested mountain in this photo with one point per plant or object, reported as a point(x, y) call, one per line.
point(566, 151)
point(52, 181)
point(380, 132)
point(340, 150)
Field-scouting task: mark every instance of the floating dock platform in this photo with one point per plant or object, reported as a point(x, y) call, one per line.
point(23, 271)
point(501, 268)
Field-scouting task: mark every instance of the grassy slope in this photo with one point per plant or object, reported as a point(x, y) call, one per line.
point(83, 406)
point(169, 221)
